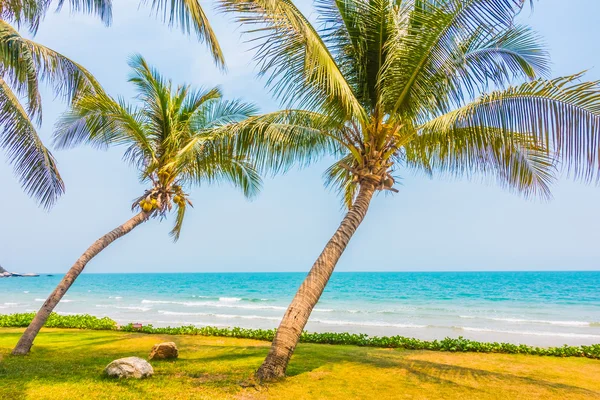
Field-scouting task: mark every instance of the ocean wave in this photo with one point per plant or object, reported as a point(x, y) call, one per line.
point(135, 308)
point(219, 315)
point(532, 333)
point(214, 304)
point(25, 291)
point(183, 323)
point(323, 309)
point(62, 301)
point(115, 297)
point(532, 321)
point(11, 304)
point(230, 299)
point(366, 323)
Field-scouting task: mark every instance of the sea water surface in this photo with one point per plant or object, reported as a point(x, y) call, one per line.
point(537, 308)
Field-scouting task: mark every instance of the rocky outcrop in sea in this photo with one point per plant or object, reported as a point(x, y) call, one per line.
point(5, 274)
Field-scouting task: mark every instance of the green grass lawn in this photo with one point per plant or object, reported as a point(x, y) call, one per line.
point(68, 364)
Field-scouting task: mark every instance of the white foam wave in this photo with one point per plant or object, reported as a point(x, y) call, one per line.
point(115, 297)
point(25, 291)
point(40, 300)
point(11, 304)
point(533, 333)
point(135, 308)
point(230, 299)
point(366, 323)
point(218, 315)
point(532, 321)
point(323, 309)
point(214, 304)
point(182, 323)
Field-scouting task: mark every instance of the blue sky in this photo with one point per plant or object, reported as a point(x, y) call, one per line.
point(429, 225)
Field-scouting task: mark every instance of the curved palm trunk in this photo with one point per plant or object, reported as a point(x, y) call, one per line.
point(42, 315)
point(297, 314)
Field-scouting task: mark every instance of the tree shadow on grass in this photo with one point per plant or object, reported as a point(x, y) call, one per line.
point(307, 360)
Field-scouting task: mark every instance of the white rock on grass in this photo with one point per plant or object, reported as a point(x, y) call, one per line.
point(129, 367)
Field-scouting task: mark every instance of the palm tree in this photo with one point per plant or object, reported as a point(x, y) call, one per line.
point(177, 138)
point(23, 63)
point(448, 87)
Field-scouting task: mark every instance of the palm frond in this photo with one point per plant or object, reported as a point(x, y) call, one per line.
point(339, 178)
point(488, 58)
point(517, 162)
point(101, 8)
point(101, 121)
point(196, 101)
point(176, 231)
point(24, 12)
point(516, 52)
point(24, 62)
point(279, 140)
point(426, 36)
point(214, 160)
point(219, 113)
point(33, 163)
point(561, 115)
point(290, 51)
point(189, 16)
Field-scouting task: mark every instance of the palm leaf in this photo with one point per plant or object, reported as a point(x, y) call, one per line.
point(516, 161)
point(561, 115)
point(101, 8)
point(189, 16)
point(426, 36)
point(279, 140)
point(24, 62)
point(33, 163)
point(339, 178)
point(300, 68)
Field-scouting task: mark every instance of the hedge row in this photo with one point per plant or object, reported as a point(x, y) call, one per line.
point(459, 344)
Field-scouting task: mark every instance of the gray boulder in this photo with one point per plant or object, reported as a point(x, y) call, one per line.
point(129, 367)
point(164, 351)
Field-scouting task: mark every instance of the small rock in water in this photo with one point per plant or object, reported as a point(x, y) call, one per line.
point(129, 367)
point(164, 351)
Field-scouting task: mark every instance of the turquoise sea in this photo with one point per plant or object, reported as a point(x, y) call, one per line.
point(538, 308)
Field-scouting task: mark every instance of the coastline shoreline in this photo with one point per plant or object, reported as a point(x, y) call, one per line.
point(458, 344)
point(538, 309)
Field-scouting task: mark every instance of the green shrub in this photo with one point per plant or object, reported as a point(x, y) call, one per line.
point(459, 344)
point(60, 321)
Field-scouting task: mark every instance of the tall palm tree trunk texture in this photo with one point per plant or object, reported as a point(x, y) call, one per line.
point(297, 314)
point(42, 315)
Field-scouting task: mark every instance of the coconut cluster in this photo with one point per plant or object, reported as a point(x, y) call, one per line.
point(148, 204)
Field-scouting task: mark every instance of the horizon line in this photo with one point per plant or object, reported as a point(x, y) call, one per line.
point(335, 272)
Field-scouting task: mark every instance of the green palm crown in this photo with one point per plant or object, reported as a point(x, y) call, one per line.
point(441, 86)
point(176, 137)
